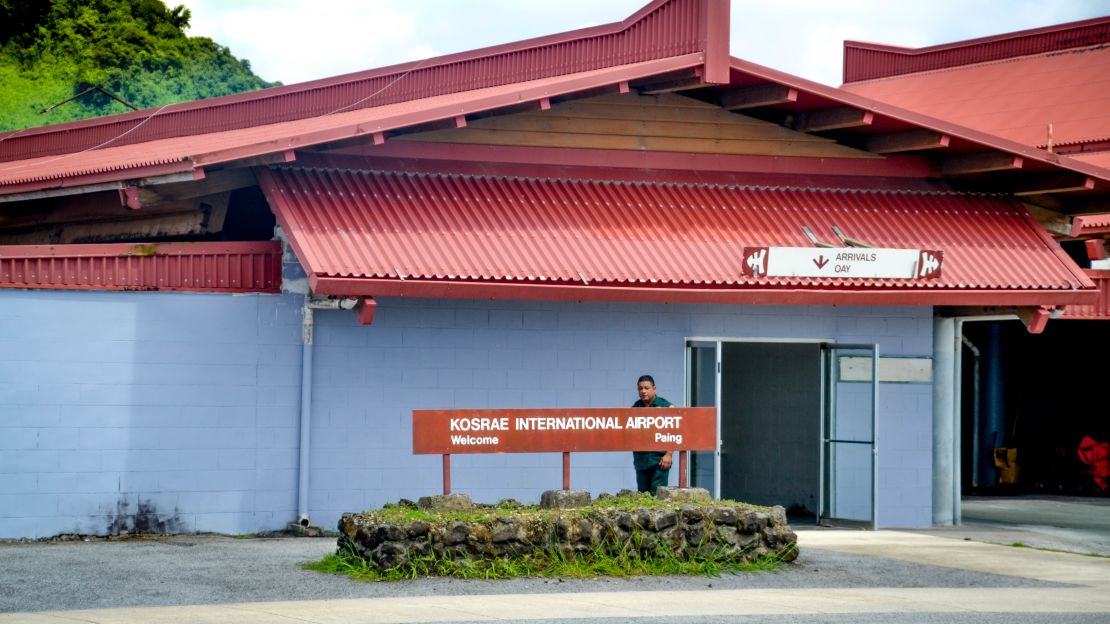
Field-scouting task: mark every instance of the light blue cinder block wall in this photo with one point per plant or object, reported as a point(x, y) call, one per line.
point(146, 411)
point(475, 354)
point(182, 409)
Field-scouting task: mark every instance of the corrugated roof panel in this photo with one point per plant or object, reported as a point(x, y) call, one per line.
point(238, 267)
point(387, 225)
point(662, 29)
point(1100, 311)
point(1098, 159)
point(1014, 99)
point(867, 61)
point(183, 154)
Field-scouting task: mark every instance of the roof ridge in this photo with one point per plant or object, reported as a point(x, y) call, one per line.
point(986, 63)
point(661, 29)
point(865, 61)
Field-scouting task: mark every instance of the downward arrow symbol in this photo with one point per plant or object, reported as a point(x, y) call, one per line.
point(820, 262)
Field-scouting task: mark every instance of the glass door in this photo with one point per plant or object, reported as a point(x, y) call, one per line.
point(849, 434)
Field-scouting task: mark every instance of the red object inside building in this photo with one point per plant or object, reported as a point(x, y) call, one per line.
point(1096, 455)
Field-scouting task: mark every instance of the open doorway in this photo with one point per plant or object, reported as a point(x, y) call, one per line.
point(770, 424)
point(1033, 414)
point(795, 425)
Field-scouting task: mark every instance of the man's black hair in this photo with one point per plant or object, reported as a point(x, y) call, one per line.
point(647, 378)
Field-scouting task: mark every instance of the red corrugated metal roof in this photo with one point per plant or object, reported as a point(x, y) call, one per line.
point(186, 153)
point(112, 163)
point(202, 267)
point(189, 153)
point(1090, 225)
point(867, 61)
point(1098, 159)
point(663, 28)
point(405, 228)
point(1014, 99)
point(897, 117)
point(1100, 310)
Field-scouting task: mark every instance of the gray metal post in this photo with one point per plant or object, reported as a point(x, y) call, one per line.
point(944, 419)
point(306, 417)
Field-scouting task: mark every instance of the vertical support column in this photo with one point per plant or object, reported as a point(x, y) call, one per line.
point(944, 418)
point(682, 469)
point(305, 441)
point(566, 471)
point(992, 413)
point(446, 474)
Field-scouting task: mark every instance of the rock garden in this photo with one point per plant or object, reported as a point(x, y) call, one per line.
point(682, 531)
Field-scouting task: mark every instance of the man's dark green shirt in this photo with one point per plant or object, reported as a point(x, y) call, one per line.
point(647, 459)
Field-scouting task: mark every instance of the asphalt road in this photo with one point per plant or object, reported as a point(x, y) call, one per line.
point(216, 570)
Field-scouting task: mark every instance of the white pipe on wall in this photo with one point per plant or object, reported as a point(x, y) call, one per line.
point(305, 442)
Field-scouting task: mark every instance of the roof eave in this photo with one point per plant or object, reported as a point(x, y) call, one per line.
point(645, 294)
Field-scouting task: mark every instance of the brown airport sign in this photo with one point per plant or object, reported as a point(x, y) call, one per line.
point(446, 432)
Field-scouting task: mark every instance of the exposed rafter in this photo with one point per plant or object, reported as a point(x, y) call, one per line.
point(692, 79)
point(1054, 184)
point(906, 141)
point(757, 96)
point(215, 182)
point(1091, 225)
point(833, 119)
point(1056, 223)
point(982, 162)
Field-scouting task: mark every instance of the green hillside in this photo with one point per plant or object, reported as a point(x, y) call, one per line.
point(51, 50)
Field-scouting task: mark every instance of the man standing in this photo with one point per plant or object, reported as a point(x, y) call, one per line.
point(652, 467)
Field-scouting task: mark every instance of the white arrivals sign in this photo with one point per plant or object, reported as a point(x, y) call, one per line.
point(845, 262)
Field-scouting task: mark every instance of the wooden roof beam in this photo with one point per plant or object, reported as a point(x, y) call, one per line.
point(1055, 184)
point(215, 182)
point(1082, 226)
point(907, 141)
point(1055, 223)
point(692, 80)
point(760, 95)
point(833, 119)
point(1082, 204)
point(981, 162)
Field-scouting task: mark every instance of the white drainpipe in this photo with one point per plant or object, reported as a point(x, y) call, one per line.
point(305, 443)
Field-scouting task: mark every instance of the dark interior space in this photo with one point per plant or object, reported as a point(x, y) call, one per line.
point(248, 217)
point(1048, 400)
point(770, 424)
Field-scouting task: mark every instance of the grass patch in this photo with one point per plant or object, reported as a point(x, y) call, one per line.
point(393, 513)
point(1057, 550)
point(548, 564)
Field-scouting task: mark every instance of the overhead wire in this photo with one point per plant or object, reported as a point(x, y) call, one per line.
point(415, 67)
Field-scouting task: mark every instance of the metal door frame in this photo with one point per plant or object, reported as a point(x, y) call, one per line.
point(828, 406)
point(719, 341)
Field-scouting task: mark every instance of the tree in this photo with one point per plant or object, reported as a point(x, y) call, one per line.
point(137, 49)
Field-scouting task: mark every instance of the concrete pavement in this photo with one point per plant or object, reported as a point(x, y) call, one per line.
point(1066, 523)
point(1058, 587)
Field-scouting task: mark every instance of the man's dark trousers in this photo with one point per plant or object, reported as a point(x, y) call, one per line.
point(651, 479)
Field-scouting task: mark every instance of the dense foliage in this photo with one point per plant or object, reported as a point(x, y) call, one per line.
point(137, 49)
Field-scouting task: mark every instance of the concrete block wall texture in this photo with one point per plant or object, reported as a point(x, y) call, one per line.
point(475, 354)
point(179, 412)
point(146, 411)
